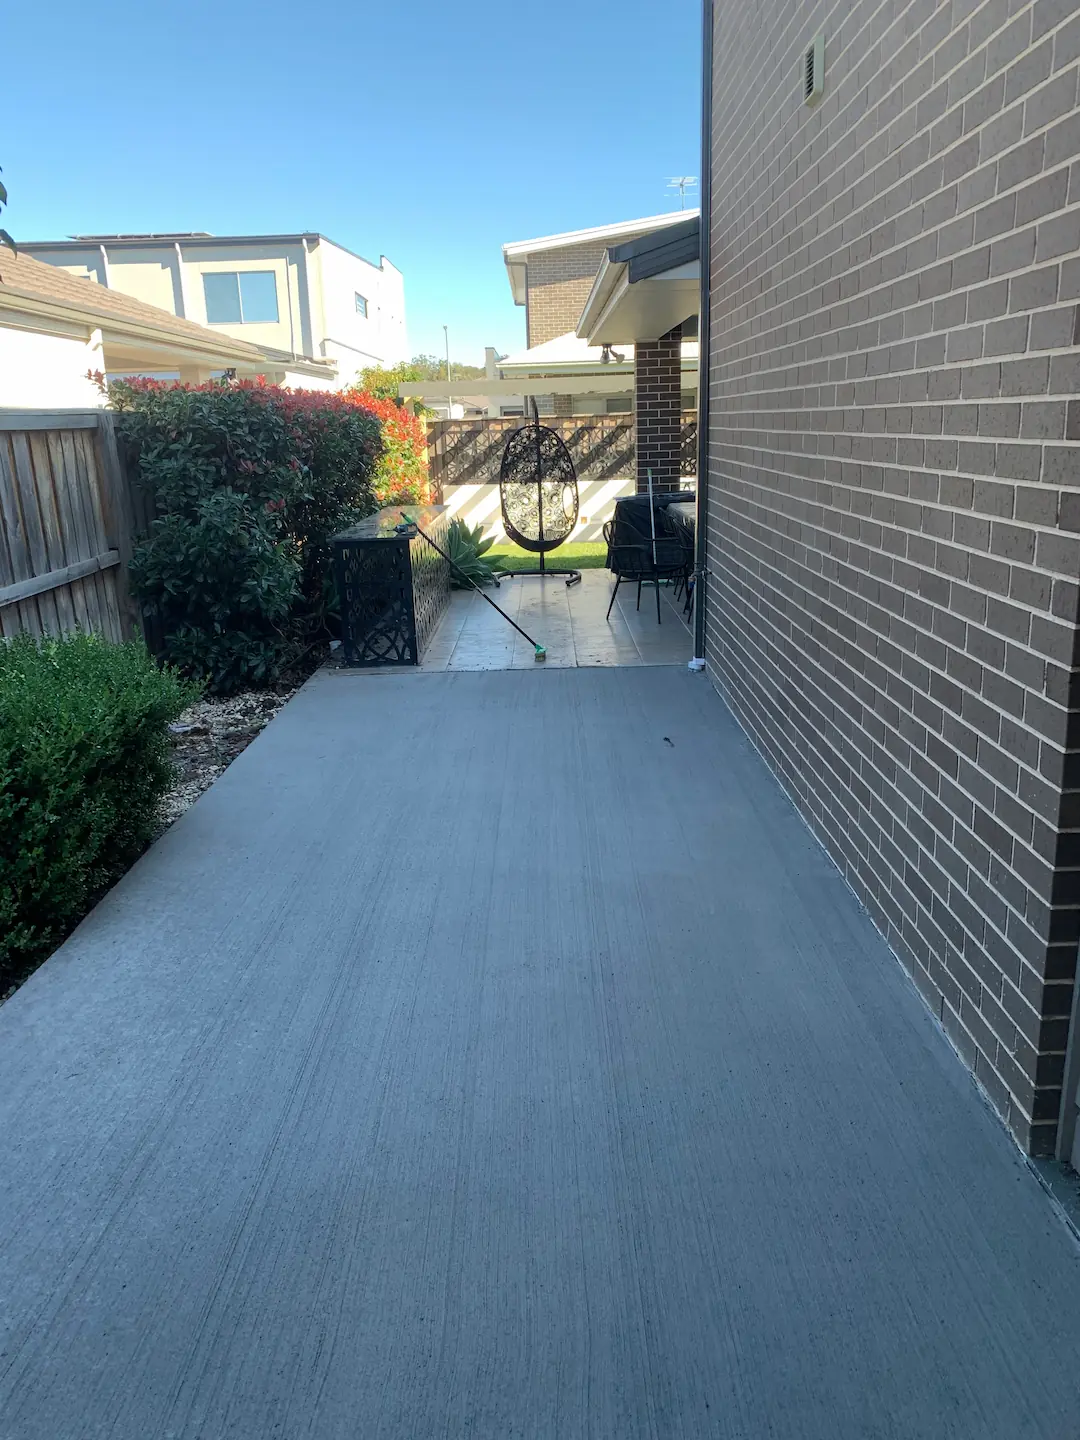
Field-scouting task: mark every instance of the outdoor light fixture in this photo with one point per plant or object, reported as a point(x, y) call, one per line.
point(607, 354)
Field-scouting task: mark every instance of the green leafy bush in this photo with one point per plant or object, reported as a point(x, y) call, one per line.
point(227, 586)
point(249, 484)
point(467, 547)
point(84, 761)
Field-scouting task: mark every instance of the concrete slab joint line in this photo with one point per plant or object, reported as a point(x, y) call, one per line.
point(618, 1120)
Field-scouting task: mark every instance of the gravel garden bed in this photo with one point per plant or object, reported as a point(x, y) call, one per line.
point(207, 738)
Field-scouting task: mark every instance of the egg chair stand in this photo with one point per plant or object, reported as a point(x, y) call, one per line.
point(538, 494)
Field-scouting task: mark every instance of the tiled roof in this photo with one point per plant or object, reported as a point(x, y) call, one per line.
point(22, 277)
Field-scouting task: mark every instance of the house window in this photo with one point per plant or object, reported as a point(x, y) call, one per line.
point(361, 304)
point(244, 297)
point(688, 400)
point(617, 405)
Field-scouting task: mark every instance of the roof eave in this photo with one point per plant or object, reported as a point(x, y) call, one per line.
point(11, 297)
point(517, 273)
point(611, 277)
point(519, 249)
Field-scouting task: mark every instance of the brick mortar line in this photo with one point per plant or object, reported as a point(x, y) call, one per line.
point(814, 813)
point(896, 527)
point(722, 297)
point(866, 762)
point(736, 109)
point(1024, 768)
point(723, 294)
point(864, 121)
point(937, 506)
point(773, 336)
point(846, 412)
point(889, 871)
point(946, 367)
point(934, 333)
point(791, 637)
point(731, 454)
point(846, 688)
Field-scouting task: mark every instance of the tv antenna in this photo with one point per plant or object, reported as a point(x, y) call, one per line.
point(682, 183)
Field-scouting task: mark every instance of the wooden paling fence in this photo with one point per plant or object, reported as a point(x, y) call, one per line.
point(66, 524)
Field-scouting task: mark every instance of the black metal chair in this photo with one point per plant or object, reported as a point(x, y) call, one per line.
point(634, 556)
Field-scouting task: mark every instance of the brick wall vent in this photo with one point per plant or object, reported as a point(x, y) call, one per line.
point(814, 70)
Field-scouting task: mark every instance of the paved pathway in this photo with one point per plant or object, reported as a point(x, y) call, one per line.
point(473, 1060)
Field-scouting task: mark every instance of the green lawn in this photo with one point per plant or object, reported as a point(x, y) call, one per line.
point(579, 555)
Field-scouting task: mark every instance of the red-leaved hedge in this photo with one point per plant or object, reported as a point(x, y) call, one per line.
point(401, 471)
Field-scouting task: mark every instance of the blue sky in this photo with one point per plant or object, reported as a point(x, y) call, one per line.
point(427, 132)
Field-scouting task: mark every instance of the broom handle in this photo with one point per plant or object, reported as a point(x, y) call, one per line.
point(469, 580)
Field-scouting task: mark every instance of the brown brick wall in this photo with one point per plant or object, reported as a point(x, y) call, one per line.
point(894, 483)
point(657, 411)
point(558, 284)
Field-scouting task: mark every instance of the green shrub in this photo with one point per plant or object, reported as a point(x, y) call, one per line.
point(84, 761)
point(249, 484)
point(226, 587)
point(467, 547)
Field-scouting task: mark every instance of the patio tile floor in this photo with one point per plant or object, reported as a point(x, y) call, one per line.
point(569, 621)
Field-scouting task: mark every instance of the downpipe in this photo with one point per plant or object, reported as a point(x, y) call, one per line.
point(704, 326)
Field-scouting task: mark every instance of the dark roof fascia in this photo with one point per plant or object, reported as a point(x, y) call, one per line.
point(658, 251)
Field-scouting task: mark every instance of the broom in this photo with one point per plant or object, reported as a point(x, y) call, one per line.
point(539, 653)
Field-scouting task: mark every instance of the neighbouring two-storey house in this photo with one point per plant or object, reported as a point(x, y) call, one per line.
point(317, 312)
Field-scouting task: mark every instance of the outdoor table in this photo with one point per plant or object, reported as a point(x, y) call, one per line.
point(683, 514)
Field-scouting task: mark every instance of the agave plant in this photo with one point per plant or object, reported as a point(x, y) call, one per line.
point(467, 547)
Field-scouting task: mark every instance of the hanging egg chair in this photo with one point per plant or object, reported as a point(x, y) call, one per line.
point(538, 492)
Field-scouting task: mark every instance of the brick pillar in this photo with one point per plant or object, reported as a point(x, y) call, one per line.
point(564, 406)
point(657, 397)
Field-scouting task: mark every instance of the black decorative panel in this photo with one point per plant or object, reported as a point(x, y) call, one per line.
point(393, 589)
point(430, 578)
point(469, 452)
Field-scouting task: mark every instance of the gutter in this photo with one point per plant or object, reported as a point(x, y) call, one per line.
point(704, 329)
point(121, 327)
point(606, 282)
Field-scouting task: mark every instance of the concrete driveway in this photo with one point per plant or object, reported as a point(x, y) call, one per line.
point(496, 1055)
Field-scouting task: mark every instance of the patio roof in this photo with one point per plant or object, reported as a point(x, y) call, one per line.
point(645, 287)
point(573, 363)
point(570, 354)
point(516, 252)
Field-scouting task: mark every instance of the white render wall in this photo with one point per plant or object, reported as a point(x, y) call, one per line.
point(347, 336)
point(316, 282)
point(46, 372)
